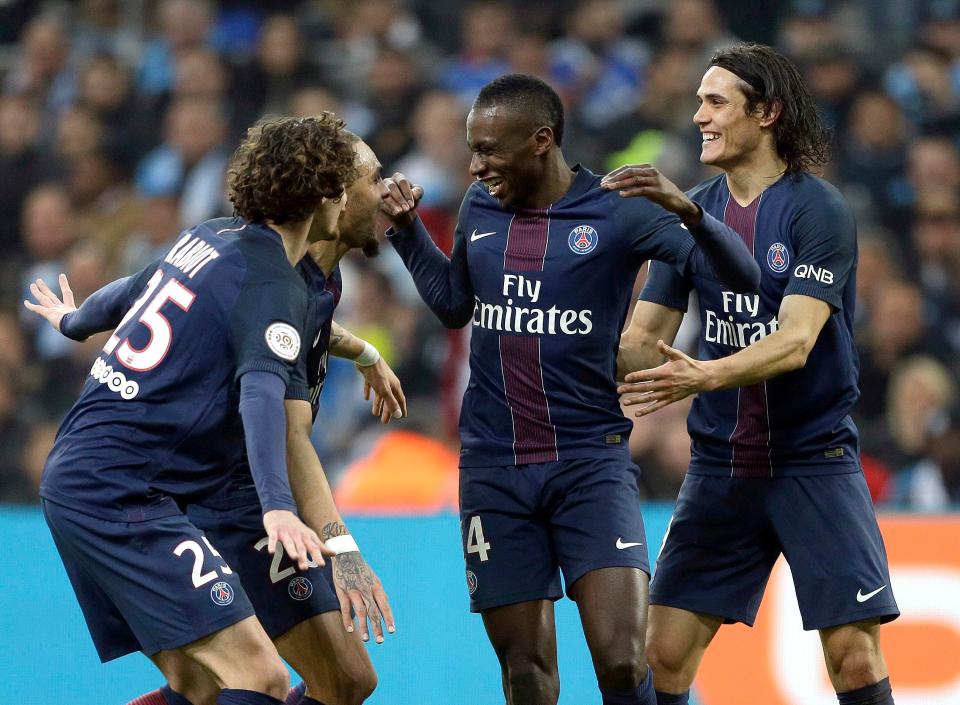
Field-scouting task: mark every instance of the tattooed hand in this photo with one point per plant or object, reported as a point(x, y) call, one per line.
point(359, 590)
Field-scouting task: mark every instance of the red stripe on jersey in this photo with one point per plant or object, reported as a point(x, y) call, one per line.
point(527, 240)
point(751, 433)
point(534, 436)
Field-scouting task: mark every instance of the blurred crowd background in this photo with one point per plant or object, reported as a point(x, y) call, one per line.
point(117, 120)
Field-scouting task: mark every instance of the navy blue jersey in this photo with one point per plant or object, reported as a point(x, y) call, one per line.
point(325, 294)
point(158, 418)
point(803, 235)
point(548, 290)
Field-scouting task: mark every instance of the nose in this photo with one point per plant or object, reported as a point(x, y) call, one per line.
point(700, 117)
point(477, 165)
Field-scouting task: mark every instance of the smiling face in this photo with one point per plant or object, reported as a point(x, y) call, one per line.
point(730, 135)
point(507, 153)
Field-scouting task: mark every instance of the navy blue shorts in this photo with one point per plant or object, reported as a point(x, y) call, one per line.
point(145, 586)
point(727, 533)
point(520, 523)
point(281, 594)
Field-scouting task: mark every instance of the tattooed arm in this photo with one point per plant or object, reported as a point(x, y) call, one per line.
point(358, 587)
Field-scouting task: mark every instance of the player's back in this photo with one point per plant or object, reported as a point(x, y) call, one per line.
point(158, 417)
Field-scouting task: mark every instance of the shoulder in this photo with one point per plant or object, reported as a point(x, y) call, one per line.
point(816, 203)
point(707, 188)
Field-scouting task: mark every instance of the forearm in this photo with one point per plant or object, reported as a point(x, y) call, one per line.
point(102, 311)
point(637, 352)
point(343, 343)
point(311, 491)
point(439, 280)
point(724, 253)
point(782, 351)
point(264, 427)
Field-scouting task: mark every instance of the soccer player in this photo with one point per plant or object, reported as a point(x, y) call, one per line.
point(306, 613)
point(200, 363)
point(775, 466)
point(543, 264)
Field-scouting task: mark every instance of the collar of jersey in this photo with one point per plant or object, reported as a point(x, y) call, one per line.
point(582, 180)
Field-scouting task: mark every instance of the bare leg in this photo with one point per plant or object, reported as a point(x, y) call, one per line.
point(333, 662)
point(853, 655)
point(676, 642)
point(524, 638)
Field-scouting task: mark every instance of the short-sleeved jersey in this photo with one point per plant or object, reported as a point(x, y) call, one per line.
point(158, 419)
point(551, 289)
point(803, 235)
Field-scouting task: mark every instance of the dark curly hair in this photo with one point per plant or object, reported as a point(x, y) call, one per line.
point(286, 165)
point(769, 78)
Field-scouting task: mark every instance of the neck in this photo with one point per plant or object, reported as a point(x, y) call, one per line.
point(294, 238)
point(757, 172)
point(554, 183)
point(327, 253)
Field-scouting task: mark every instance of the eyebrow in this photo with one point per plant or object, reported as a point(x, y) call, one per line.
point(712, 96)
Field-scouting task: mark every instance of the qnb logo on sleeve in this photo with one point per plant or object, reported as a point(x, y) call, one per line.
point(809, 271)
point(283, 340)
point(116, 381)
point(520, 314)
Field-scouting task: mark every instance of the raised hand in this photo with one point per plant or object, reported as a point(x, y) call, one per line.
point(399, 200)
point(300, 542)
point(49, 305)
point(359, 590)
point(646, 180)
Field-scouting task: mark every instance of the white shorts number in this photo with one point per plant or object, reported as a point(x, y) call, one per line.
point(197, 575)
point(475, 542)
point(276, 575)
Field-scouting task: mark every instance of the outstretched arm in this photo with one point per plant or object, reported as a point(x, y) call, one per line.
point(102, 310)
point(443, 283)
point(801, 319)
point(720, 247)
point(358, 587)
point(650, 323)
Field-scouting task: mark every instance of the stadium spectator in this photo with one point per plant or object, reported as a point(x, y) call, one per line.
point(192, 159)
point(181, 25)
point(486, 32)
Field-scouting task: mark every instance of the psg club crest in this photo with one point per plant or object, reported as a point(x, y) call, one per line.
point(300, 588)
point(583, 239)
point(471, 581)
point(221, 593)
point(778, 259)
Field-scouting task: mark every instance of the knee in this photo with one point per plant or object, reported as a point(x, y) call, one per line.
point(665, 659)
point(531, 681)
point(359, 685)
point(622, 674)
point(857, 668)
point(276, 680)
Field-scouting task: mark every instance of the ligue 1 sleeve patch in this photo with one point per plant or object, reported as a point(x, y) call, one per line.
point(283, 339)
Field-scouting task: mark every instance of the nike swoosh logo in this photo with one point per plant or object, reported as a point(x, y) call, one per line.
point(474, 236)
point(629, 544)
point(863, 598)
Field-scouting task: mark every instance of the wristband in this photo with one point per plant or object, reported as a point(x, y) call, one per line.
point(342, 544)
point(369, 356)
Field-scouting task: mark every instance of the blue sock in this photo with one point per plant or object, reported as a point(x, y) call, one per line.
point(641, 695)
point(296, 694)
point(173, 697)
point(234, 696)
point(673, 699)
point(877, 694)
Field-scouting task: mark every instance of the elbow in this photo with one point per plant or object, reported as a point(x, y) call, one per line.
point(749, 282)
point(799, 353)
point(456, 318)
